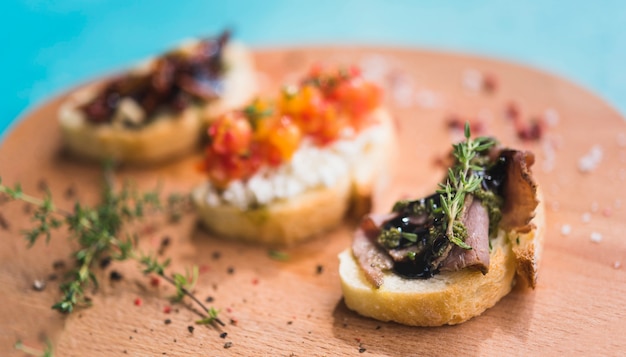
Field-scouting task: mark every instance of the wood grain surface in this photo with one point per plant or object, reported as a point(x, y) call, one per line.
point(294, 307)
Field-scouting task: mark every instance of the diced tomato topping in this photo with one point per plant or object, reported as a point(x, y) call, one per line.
point(327, 102)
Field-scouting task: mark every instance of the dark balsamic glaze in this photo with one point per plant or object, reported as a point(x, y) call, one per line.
point(417, 217)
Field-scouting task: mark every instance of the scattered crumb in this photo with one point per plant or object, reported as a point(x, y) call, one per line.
point(223, 334)
point(42, 185)
point(165, 242)
point(591, 160)
point(228, 344)
point(566, 229)
point(70, 192)
point(115, 276)
point(105, 262)
point(596, 237)
point(319, 269)
point(190, 328)
point(58, 264)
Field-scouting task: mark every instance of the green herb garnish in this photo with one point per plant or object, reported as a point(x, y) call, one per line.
point(30, 351)
point(98, 233)
point(461, 182)
point(278, 255)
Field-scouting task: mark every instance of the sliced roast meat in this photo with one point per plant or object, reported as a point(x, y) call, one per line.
point(519, 191)
point(476, 221)
point(371, 258)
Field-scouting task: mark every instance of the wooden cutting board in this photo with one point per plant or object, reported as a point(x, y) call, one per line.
point(294, 307)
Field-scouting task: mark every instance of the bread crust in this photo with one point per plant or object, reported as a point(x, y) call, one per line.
point(289, 221)
point(449, 297)
point(167, 136)
point(283, 222)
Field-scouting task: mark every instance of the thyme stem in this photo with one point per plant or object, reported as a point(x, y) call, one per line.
point(192, 297)
point(95, 230)
point(461, 182)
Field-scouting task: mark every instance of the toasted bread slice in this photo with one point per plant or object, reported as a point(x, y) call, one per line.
point(283, 222)
point(448, 297)
point(290, 220)
point(168, 135)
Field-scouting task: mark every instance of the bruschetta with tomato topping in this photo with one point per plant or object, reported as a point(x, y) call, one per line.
point(285, 170)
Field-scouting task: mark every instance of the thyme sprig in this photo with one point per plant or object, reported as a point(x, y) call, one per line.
point(99, 233)
point(461, 182)
point(30, 351)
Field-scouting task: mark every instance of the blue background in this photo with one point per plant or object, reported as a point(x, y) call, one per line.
point(48, 46)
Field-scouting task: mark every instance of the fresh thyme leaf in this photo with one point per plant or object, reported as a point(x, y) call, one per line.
point(278, 255)
point(96, 231)
point(212, 316)
point(184, 283)
point(392, 237)
point(461, 182)
point(47, 352)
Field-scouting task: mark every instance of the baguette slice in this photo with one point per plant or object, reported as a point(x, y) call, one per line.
point(448, 297)
point(294, 219)
point(168, 135)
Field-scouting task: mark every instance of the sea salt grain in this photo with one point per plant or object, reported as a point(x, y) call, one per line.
point(596, 237)
point(591, 160)
point(551, 117)
point(402, 90)
point(594, 207)
point(586, 217)
point(566, 229)
point(617, 264)
point(549, 156)
point(473, 80)
point(427, 99)
point(621, 139)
